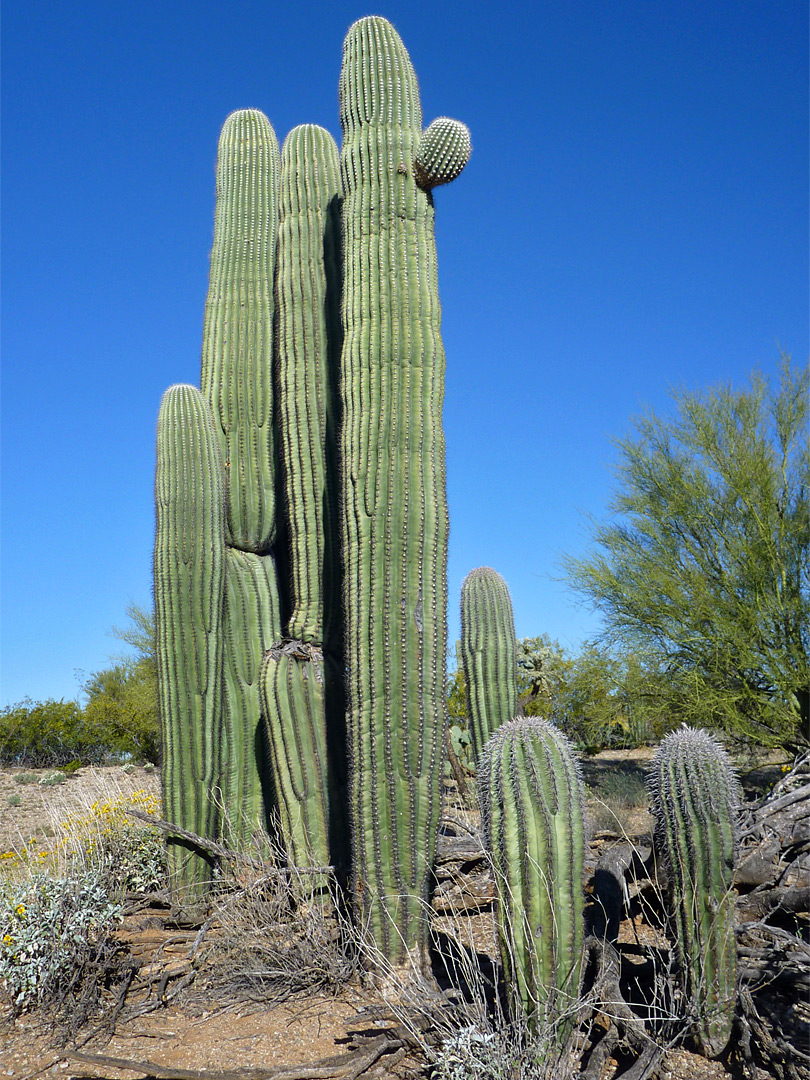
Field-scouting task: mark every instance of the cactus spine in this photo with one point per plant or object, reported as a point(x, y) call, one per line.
point(695, 795)
point(488, 653)
point(189, 565)
point(531, 797)
point(394, 509)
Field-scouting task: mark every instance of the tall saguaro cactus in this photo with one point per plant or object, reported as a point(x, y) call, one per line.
point(394, 507)
point(237, 378)
point(488, 653)
point(532, 807)
point(304, 339)
point(695, 795)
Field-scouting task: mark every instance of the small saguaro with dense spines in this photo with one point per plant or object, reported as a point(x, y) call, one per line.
point(532, 813)
point(394, 507)
point(488, 653)
point(189, 567)
point(695, 795)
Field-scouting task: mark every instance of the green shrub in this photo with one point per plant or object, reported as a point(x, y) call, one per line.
point(52, 779)
point(46, 733)
point(26, 778)
point(14, 800)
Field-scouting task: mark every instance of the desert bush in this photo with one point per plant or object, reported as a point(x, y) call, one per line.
point(26, 778)
point(105, 840)
point(52, 932)
point(53, 779)
point(45, 733)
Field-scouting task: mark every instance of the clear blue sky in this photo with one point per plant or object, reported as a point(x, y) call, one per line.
point(634, 216)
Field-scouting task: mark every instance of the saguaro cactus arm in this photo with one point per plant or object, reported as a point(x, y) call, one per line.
point(189, 585)
point(488, 653)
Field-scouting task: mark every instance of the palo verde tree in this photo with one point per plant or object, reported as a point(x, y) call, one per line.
point(705, 563)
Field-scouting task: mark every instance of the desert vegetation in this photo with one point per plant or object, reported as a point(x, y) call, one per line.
point(488, 904)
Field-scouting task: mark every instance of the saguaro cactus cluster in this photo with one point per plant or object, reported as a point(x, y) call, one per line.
point(532, 808)
point(695, 794)
point(266, 592)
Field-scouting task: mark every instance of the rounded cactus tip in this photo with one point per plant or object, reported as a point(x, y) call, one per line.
point(444, 149)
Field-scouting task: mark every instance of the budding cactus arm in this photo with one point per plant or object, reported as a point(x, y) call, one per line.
point(189, 584)
point(488, 651)
point(532, 805)
point(695, 794)
point(394, 508)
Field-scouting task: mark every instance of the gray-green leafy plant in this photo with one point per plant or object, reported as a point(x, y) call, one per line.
point(532, 814)
point(49, 929)
point(695, 796)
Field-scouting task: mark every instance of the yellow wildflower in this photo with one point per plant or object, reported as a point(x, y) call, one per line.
point(7, 939)
point(20, 909)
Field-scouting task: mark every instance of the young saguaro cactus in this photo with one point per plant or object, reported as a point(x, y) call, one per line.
point(695, 795)
point(488, 652)
point(532, 813)
point(189, 565)
point(394, 508)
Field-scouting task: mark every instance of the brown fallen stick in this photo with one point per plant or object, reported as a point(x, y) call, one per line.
point(338, 1067)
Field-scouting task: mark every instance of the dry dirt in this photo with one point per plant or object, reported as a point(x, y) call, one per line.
point(217, 1035)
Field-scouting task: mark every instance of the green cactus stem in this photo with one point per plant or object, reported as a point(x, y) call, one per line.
point(238, 327)
point(189, 584)
point(488, 653)
point(394, 509)
point(309, 340)
point(695, 795)
point(237, 378)
point(532, 808)
point(292, 685)
point(251, 623)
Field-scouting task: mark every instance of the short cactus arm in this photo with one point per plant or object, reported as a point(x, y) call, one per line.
point(189, 587)
point(695, 794)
